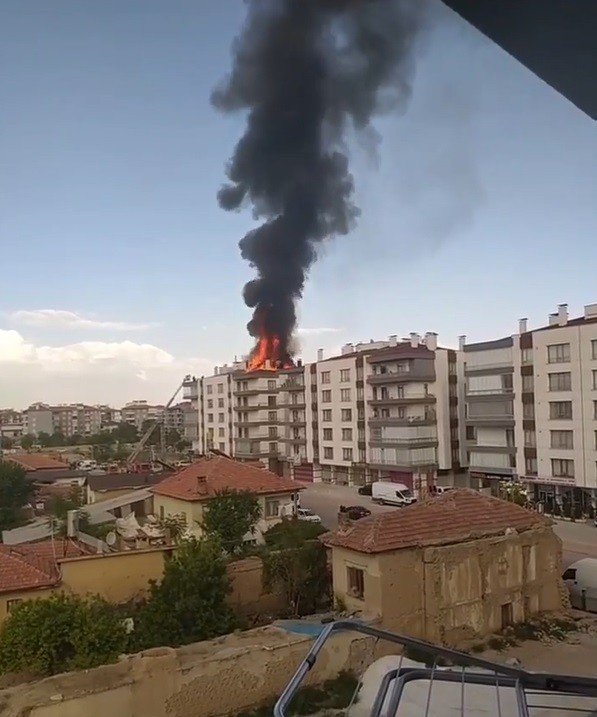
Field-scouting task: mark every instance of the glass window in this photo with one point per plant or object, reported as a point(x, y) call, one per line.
point(222, 447)
point(345, 375)
point(527, 356)
point(558, 353)
point(271, 401)
point(326, 415)
point(345, 394)
point(210, 403)
point(220, 403)
point(271, 385)
point(560, 381)
point(530, 465)
point(561, 439)
point(220, 388)
point(528, 384)
point(356, 582)
point(530, 439)
point(328, 453)
point(328, 434)
point(528, 410)
point(326, 396)
point(594, 380)
point(471, 433)
point(210, 417)
point(325, 377)
point(272, 416)
point(210, 388)
point(220, 418)
point(347, 454)
point(560, 410)
point(346, 414)
point(594, 348)
point(272, 508)
point(562, 468)
point(221, 432)
point(347, 434)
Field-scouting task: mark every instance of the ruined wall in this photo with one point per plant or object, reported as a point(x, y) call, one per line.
point(343, 559)
point(403, 592)
point(208, 679)
point(248, 596)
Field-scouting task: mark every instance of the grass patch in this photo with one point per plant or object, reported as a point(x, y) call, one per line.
point(331, 695)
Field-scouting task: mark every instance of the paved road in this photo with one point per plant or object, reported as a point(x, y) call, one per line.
point(579, 539)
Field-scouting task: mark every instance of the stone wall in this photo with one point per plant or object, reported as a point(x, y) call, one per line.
point(208, 679)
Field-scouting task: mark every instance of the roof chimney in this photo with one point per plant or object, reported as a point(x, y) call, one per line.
point(431, 340)
point(461, 342)
point(522, 326)
point(562, 314)
point(553, 319)
point(320, 354)
point(393, 339)
point(590, 311)
point(414, 340)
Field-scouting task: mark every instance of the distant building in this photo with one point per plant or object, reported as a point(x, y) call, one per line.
point(37, 462)
point(137, 412)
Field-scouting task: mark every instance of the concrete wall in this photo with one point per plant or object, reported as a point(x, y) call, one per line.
point(207, 679)
point(370, 565)
point(248, 596)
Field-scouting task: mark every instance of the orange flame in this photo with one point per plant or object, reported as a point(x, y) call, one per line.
point(266, 356)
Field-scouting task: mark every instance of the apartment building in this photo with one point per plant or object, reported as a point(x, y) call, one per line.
point(531, 408)
point(137, 412)
point(190, 394)
point(38, 419)
point(11, 423)
point(215, 417)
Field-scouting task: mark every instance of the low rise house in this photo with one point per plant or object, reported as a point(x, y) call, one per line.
point(451, 569)
point(111, 485)
point(38, 462)
point(187, 492)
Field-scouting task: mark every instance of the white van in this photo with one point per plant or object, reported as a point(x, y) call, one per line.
point(581, 581)
point(391, 493)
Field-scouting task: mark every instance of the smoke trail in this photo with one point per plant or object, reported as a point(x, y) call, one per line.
point(306, 70)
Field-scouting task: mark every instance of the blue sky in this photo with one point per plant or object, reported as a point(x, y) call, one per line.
point(479, 207)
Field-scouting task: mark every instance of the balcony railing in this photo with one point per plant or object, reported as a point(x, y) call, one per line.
point(490, 392)
point(488, 366)
point(402, 441)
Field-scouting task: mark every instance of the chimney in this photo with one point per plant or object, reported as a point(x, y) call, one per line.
point(216, 369)
point(347, 349)
point(562, 314)
point(431, 340)
point(72, 523)
point(461, 342)
point(414, 340)
point(590, 311)
point(553, 319)
point(320, 354)
point(522, 326)
point(393, 339)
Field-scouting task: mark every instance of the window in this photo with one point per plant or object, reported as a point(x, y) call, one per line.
point(400, 391)
point(222, 447)
point(345, 375)
point(210, 417)
point(562, 468)
point(530, 439)
point(560, 381)
point(220, 403)
point(345, 394)
point(271, 401)
point(272, 508)
point(328, 434)
point(510, 437)
point(558, 353)
point(360, 394)
point(528, 384)
point(527, 355)
point(11, 604)
point(347, 434)
point(560, 410)
point(400, 412)
point(569, 574)
point(273, 448)
point(325, 377)
point(530, 466)
point(471, 433)
point(220, 388)
point(594, 380)
point(326, 415)
point(210, 403)
point(595, 410)
point(561, 439)
point(355, 579)
point(326, 396)
point(360, 413)
point(221, 418)
point(272, 416)
point(328, 453)
point(271, 385)
point(594, 348)
point(595, 432)
point(210, 388)
point(362, 455)
point(347, 454)
point(346, 414)
point(528, 410)
point(221, 432)
point(272, 432)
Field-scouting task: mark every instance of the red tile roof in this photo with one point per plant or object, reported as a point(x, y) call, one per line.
point(455, 516)
point(208, 476)
point(34, 565)
point(36, 461)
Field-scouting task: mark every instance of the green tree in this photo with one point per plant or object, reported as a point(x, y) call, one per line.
point(59, 507)
point(57, 439)
point(6, 442)
point(44, 439)
point(189, 604)
point(230, 515)
point(125, 433)
point(15, 491)
point(61, 633)
point(296, 567)
point(174, 525)
point(27, 441)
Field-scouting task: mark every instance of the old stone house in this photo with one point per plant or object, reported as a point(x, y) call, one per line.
point(452, 568)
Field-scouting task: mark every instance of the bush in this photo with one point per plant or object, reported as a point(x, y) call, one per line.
point(60, 633)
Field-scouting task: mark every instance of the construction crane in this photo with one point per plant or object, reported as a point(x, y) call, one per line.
point(147, 435)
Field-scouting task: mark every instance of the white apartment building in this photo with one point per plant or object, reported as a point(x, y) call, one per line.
point(215, 411)
point(531, 402)
point(137, 412)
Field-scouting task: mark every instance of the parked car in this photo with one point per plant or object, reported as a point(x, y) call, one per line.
point(365, 489)
point(581, 581)
point(388, 493)
point(308, 515)
point(355, 512)
point(439, 489)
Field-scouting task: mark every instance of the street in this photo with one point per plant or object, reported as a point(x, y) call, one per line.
point(579, 539)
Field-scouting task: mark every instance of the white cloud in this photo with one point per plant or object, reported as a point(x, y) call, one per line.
point(60, 319)
point(318, 330)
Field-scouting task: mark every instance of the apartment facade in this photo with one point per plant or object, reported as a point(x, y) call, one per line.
point(531, 409)
point(137, 412)
point(215, 411)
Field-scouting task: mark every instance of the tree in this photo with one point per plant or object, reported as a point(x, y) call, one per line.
point(230, 515)
point(125, 433)
point(6, 442)
point(60, 633)
point(27, 441)
point(43, 439)
point(174, 525)
point(59, 507)
point(190, 602)
point(297, 567)
point(15, 492)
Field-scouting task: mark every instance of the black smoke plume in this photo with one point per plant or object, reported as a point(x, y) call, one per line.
point(306, 70)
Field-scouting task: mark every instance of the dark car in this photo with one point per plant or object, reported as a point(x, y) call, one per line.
point(355, 512)
point(365, 489)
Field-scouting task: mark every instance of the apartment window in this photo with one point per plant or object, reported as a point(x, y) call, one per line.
point(222, 447)
point(510, 437)
point(594, 348)
point(507, 382)
point(530, 466)
point(362, 455)
point(360, 413)
point(594, 380)
point(295, 417)
point(272, 431)
point(326, 396)
point(221, 432)
point(347, 434)
point(400, 412)
point(271, 401)
point(210, 403)
point(272, 416)
point(562, 468)
point(347, 454)
point(527, 356)
point(271, 385)
point(530, 439)
point(359, 373)
point(595, 440)
point(220, 418)
point(346, 414)
point(11, 604)
point(528, 384)
point(328, 434)
point(345, 394)
point(220, 388)
point(361, 434)
point(560, 381)
point(272, 508)
point(210, 388)
point(210, 417)
point(325, 377)
point(595, 410)
point(273, 448)
point(558, 353)
point(360, 394)
point(400, 391)
point(471, 433)
point(355, 578)
point(296, 434)
point(345, 375)
point(220, 403)
point(528, 410)
point(326, 415)
point(561, 439)
point(560, 410)
point(328, 453)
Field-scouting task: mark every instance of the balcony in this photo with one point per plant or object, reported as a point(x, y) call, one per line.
point(381, 442)
point(292, 386)
point(255, 407)
point(500, 367)
point(297, 406)
point(428, 420)
point(252, 391)
point(480, 393)
point(403, 400)
point(423, 374)
point(505, 419)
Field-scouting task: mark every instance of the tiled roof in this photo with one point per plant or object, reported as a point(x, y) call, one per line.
point(208, 476)
point(455, 516)
point(36, 461)
point(117, 481)
point(33, 565)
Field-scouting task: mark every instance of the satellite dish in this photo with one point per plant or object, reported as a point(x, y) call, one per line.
point(111, 538)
